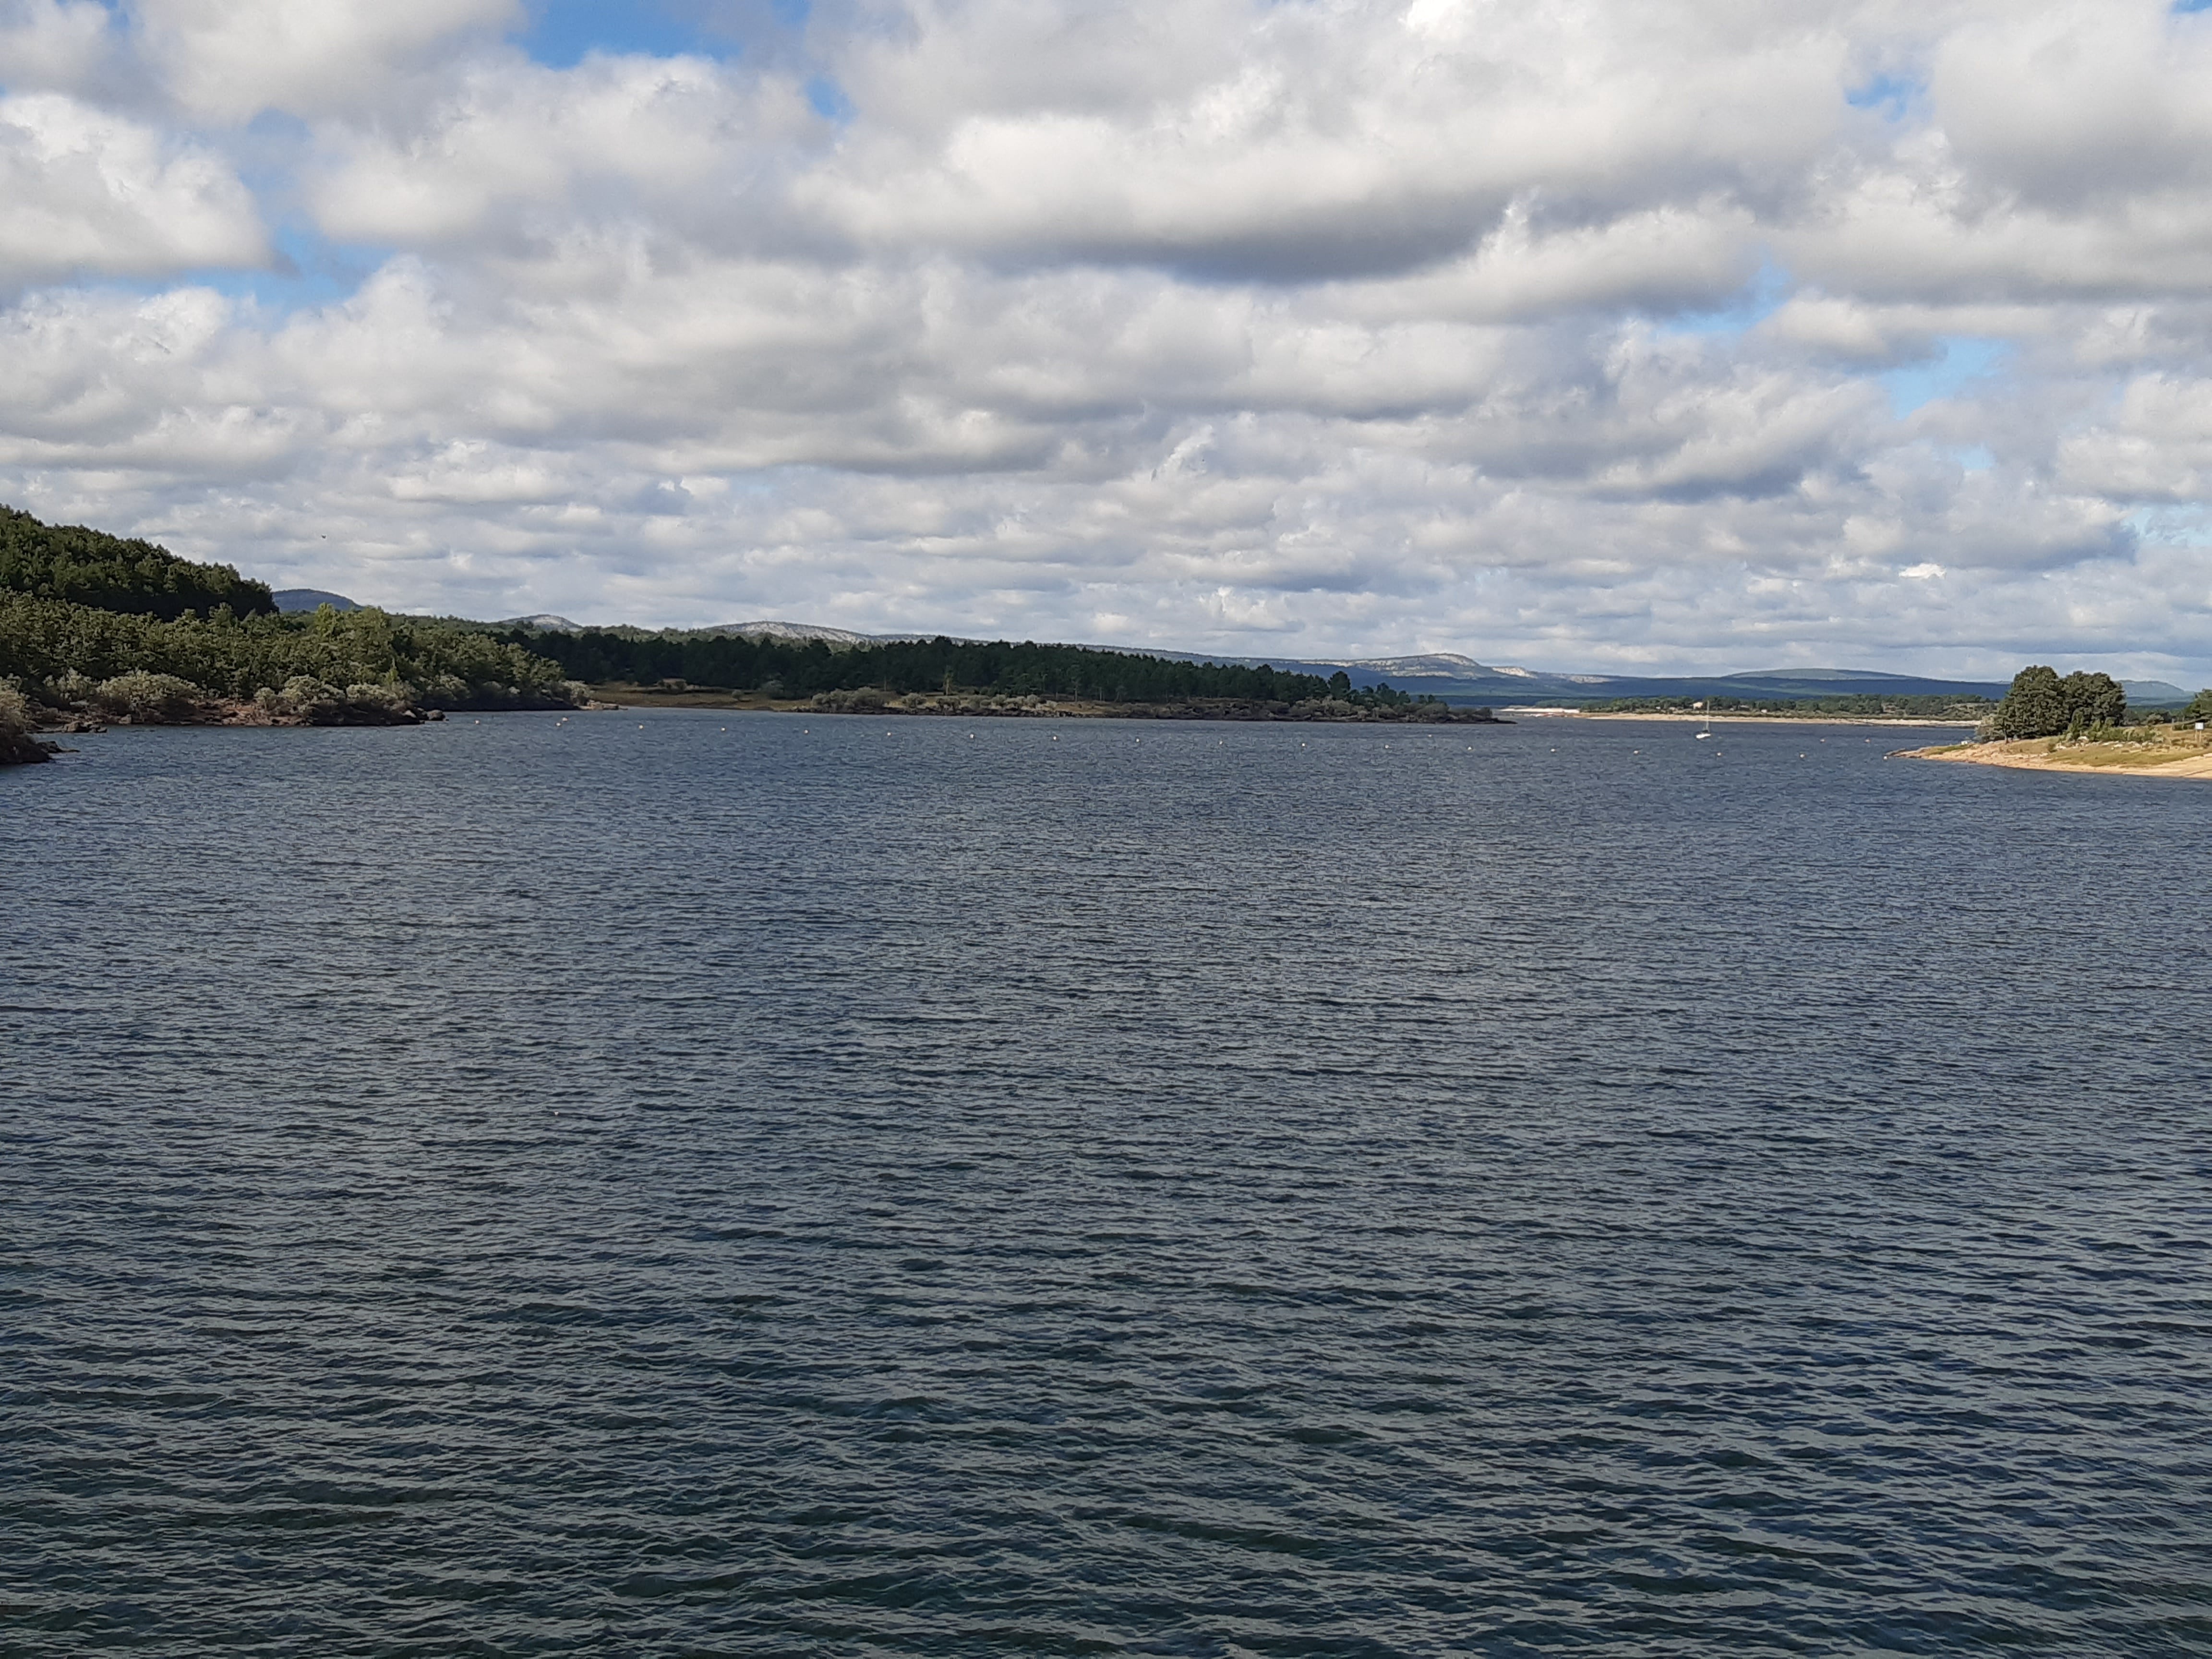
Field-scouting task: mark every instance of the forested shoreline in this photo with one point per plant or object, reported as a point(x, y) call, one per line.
point(1851, 706)
point(945, 675)
point(95, 629)
point(806, 668)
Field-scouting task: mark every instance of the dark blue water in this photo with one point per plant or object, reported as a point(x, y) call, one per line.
point(756, 1185)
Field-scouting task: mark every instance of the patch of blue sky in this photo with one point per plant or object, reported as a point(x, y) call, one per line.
point(562, 33)
point(1957, 362)
point(2179, 524)
point(308, 273)
point(1974, 458)
point(828, 99)
point(1754, 303)
point(1894, 95)
point(2192, 5)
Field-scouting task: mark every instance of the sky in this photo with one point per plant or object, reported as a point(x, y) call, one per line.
point(1628, 335)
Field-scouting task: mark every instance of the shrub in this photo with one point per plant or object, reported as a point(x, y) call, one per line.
point(15, 715)
point(72, 689)
point(17, 746)
point(383, 702)
point(317, 702)
point(865, 699)
point(139, 696)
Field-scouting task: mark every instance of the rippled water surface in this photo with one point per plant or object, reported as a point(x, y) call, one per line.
point(704, 1184)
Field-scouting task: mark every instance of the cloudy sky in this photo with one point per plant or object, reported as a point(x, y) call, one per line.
point(1578, 333)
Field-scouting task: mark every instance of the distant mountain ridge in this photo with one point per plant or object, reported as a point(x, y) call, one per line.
point(1459, 678)
point(291, 601)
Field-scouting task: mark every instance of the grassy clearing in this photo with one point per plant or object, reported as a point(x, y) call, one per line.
point(2129, 751)
point(2175, 751)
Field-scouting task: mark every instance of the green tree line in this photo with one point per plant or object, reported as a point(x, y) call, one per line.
point(92, 568)
point(92, 621)
point(1867, 705)
point(58, 651)
point(800, 668)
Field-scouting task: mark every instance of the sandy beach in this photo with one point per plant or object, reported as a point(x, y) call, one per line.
point(2177, 755)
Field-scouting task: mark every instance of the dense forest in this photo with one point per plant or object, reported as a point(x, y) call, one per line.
point(91, 568)
point(796, 668)
point(95, 628)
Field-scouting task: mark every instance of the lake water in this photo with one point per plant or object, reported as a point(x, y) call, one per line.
point(702, 1184)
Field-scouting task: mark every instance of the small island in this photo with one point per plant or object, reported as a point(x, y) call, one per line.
point(2082, 723)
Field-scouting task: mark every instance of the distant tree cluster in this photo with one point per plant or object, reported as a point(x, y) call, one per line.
point(806, 668)
point(91, 568)
point(2040, 704)
point(1380, 696)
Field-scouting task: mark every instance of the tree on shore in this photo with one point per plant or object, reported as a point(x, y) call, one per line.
point(2040, 704)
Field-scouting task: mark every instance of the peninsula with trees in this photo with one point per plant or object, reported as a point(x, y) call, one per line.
point(2080, 722)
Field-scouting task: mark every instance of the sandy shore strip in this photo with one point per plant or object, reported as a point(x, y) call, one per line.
point(2173, 758)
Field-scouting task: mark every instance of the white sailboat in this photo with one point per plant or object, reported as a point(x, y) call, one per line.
point(1708, 731)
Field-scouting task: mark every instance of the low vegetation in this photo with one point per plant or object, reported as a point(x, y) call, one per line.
point(1859, 706)
point(873, 700)
point(17, 745)
point(944, 675)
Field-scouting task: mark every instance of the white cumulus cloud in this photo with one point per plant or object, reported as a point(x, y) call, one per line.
point(1684, 332)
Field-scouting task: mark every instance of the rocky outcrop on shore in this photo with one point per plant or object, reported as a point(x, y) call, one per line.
point(22, 748)
point(18, 747)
